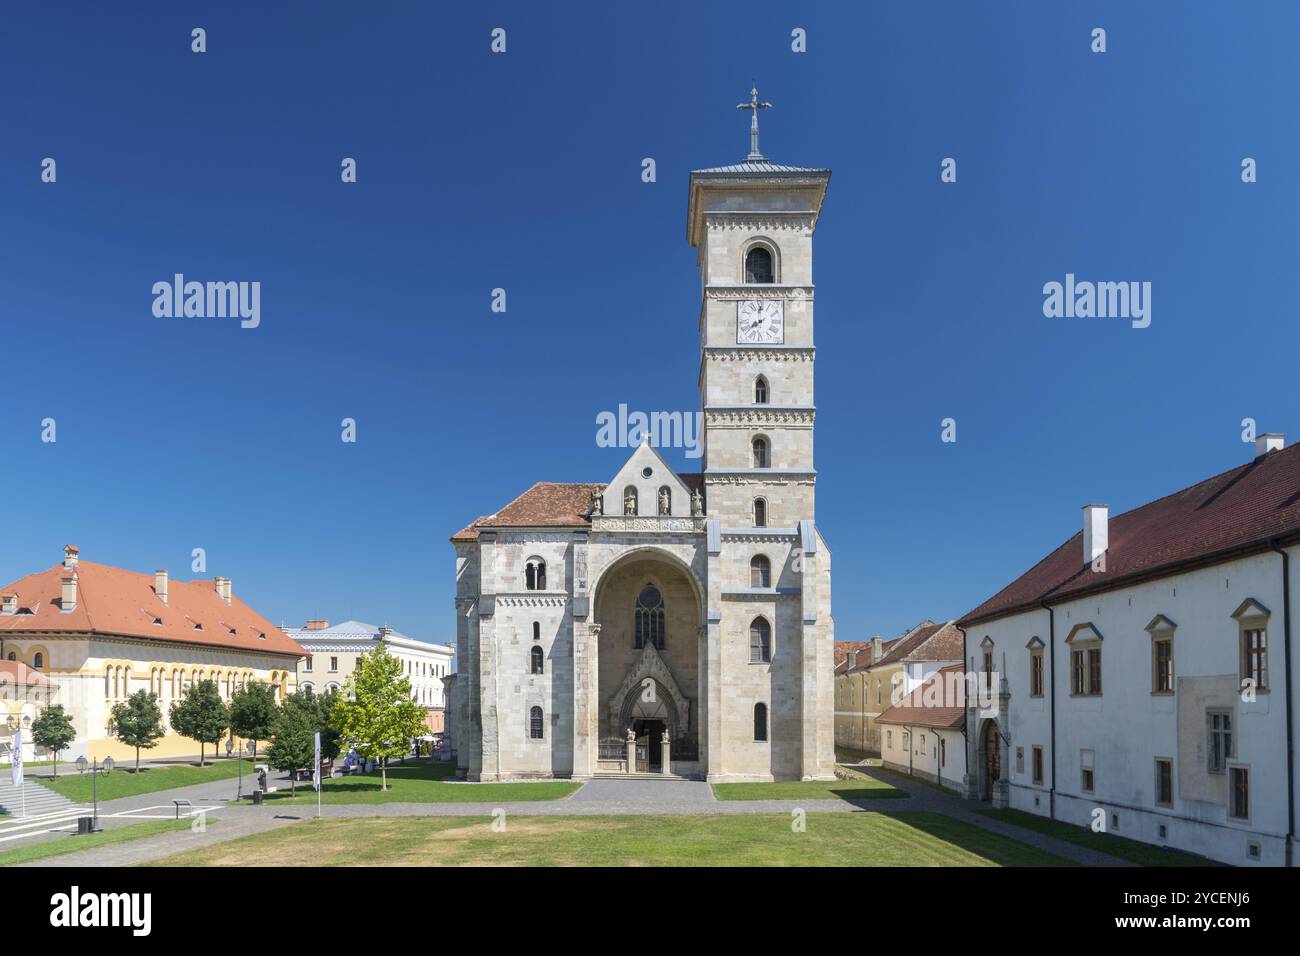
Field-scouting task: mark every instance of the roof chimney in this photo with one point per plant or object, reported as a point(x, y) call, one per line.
point(10, 605)
point(69, 596)
point(385, 631)
point(1096, 532)
point(160, 585)
point(71, 553)
point(223, 589)
point(1270, 441)
point(877, 649)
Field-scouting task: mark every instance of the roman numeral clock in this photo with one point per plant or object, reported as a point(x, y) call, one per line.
point(760, 322)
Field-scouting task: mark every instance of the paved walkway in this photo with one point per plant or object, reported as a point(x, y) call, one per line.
point(596, 798)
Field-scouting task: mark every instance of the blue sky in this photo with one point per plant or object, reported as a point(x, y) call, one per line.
point(522, 171)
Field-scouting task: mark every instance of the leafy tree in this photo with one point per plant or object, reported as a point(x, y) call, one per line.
point(318, 709)
point(252, 713)
point(53, 730)
point(376, 713)
point(201, 715)
point(293, 745)
point(137, 722)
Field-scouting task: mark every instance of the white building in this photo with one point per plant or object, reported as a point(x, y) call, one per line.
point(1144, 670)
point(924, 734)
point(333, 653)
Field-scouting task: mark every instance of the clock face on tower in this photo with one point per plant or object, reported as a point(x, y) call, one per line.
point(760, 322)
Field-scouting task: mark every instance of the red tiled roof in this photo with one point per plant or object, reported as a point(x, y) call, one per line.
point(846, 650)
point(115, 601)
point(938, 702)
point(1234, 513)
point(927, 641)
point(552, 504)
point(19, 674)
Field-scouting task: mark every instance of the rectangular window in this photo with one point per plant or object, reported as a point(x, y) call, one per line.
point(1240, 779)
point(1094, 670)
point(1076, 672)
point(889, 738)
point(1036, 674)
point(1162, 666)
point(1254, 657)
point(1164, 782)
point(1038, 765)
point(1220, 742)
point(1020, 760)
point(1087, 763)
point(1086, 781)
point(1085, 671)
point(307, 666)
point(334, 664)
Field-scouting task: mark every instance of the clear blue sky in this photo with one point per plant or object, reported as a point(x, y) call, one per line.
point(522, 171)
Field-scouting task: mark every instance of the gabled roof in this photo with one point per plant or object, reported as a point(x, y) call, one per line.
point(116, 601)
point(845, 651)
point(552, 504)
point(939, 702)
point(1234, 513)
point(927, 641)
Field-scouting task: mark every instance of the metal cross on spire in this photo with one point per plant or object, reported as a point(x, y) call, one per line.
point(755, 106)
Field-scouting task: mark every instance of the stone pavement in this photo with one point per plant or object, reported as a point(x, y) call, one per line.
point(596, 798)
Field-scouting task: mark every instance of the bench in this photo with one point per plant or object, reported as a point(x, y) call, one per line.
point(183, 803)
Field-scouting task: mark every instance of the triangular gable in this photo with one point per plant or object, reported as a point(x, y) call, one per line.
point(1251, 608)
point(1160, 623)
point(1083, 632)
point(632, 475)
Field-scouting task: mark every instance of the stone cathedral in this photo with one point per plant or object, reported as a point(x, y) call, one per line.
point(674, 623)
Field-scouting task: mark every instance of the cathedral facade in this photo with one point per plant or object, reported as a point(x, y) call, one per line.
point(665, 622)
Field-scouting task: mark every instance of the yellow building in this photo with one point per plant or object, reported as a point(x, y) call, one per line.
point(100, 633)
point(876, 674)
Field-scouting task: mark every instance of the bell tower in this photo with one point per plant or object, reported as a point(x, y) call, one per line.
point(753, 225)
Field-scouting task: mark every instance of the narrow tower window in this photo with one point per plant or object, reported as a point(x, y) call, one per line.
point(758, 265)
point(760, 391)
point(760, 513)
point(761, 457)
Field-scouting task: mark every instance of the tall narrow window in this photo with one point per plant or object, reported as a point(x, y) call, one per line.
point(1036, 673)
point(762, 457)
point(1164, 782)
point(760, 572)
point(1220, 742)
point(760, 722)
point(760, 391)
point(760, 513)
point(1162, 664)
point(537, 630)
point(38, 661)
point(1038, 764)
point(1240, 778)
point(760, 641)
point(535, 723)
point(649, 618)
point(1254, 656)
point(758, 265)
point(535, 660)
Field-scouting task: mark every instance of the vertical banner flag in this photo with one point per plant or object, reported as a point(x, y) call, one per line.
point(315, 774)
point(16, 770)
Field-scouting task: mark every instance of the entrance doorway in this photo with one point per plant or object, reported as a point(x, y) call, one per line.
point(649, 744)
point(992, 759)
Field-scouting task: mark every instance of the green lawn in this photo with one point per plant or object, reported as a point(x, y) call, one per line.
point(72, 844)
point(424, 782)
point(831, 839)
point(865, 788)
point(1143, 854)
point(125, 782)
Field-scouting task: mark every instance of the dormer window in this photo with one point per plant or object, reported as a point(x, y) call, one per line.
point(758, 266)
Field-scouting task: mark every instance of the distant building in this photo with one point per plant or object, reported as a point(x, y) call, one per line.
point(923, 735)
point(100, 633)
point(332, 653)
point(1142, 671)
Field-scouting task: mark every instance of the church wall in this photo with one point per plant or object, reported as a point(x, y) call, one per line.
point(788, 502)
point(789, 447)
point(729, 375)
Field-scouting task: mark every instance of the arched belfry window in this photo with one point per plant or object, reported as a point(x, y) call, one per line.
point(760, 572)
point(760, 641)
point(38, 661)
point(536, 660)
point(758, 265)
point(760, 391)
point(762, 456)
point(535, 575)
point(649, 616)
point(760, 513)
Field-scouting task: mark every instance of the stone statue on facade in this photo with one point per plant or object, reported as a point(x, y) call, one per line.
point(597, 501)
point(697, 503)
point(629, 503)
point(665, 502)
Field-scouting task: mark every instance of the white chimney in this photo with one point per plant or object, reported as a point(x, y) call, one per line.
point(69, 597)
point(71, 553)
point(1271, 441)
point(877, 649)
point(1096, 530)
point(160, 585)
point(10, 605)
point(223, 589)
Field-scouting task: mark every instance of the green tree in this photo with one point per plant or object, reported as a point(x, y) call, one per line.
point(201, 715)
point(53, 730)
point(318, 709)
point(252, 713)
point(376, 713)
point(137, 722)
point(293, 744)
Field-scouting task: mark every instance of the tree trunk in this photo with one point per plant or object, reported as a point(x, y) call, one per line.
point(200, 753)
point(56, 765)
point(137, 759)
point(383, 775)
